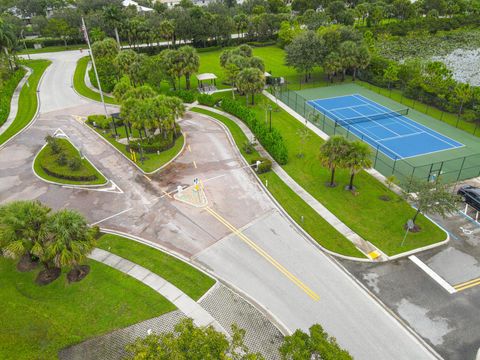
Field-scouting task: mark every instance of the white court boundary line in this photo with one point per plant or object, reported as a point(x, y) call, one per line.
point(415, 125)
point(439, 280)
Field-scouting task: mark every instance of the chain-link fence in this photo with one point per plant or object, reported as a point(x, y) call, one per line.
point(384, 161)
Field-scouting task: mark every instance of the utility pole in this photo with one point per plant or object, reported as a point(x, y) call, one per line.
point(87, 39)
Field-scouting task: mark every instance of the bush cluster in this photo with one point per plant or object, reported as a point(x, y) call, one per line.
point(156, 143)
point(265, 165)
point(187, 96)
point(6, 92)
point(207, 100)
point(99, 121)
point(61, 160)
point(272, 141)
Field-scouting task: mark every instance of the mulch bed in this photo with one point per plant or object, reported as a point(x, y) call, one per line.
point(27, 263)
point(78, 273)
point(47, 276)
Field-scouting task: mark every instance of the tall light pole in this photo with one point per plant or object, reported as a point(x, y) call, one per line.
point(87, 39)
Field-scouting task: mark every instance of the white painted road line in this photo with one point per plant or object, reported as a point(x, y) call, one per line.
point(112, 216)
point(439, 280)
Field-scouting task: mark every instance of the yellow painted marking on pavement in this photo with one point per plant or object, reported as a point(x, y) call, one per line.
point(373, 255)
point(194, 164)
point(147, 178)
point(266, 256)
point(189, 148)
point(467, 284)
point(170, 196)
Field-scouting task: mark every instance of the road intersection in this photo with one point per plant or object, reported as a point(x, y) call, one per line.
point(241, 237)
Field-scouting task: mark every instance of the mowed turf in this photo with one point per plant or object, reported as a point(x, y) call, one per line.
point(27, 102)
point(38, 321)
point(317, 227)
point(378, 221)
point(191, 281)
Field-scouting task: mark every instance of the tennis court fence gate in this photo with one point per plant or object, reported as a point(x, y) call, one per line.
point(448, 171)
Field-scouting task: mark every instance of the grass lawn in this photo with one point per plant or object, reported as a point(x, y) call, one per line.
point(7, 89)
point(191, 281)
point(380, 222)
point(82, 88)
point(49, 49)
point(318, 228)
point(27, 102)
point(38, 321)
point(46, 159)
point(151, 161)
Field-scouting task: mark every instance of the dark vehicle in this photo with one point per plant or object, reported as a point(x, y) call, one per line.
point(471, 195)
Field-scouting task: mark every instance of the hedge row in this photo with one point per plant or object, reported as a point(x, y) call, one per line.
point(272, 141)
point(207, 100)
point(30, 43)
point(156, 143)
point(6, 93)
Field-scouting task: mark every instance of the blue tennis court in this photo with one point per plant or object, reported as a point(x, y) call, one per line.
point(391, 132)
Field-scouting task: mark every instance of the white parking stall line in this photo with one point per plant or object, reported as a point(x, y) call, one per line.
point(438, 279)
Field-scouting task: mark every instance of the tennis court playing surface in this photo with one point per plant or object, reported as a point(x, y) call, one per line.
point(392, 133)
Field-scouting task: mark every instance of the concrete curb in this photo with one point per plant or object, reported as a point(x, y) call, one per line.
point(264, 311)
point(277, 204)
point(133, 163)
point(86, 186)
point(13, 109)
point(373, 172)
point(35, 116)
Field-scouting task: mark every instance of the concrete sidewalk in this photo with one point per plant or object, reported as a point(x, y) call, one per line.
point(364, 246)
point(181, 300)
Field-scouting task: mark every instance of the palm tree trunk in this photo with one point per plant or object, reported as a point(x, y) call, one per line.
point(350, 186)
point(332, 177)
point(253, 98)
point(187, 80)
point(416, 215)
point(116, 36)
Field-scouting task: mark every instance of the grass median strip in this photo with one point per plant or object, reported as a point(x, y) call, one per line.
point(191, 281)
point(317, 227)
point(46, 165)
point(27, 102)
point(82, 88)
point(366, 212)
point(38, 321)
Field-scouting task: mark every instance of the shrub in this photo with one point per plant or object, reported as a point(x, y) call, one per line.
point(248, 147)
point(54, 144)
point(100, 121)
point(62, 159)
point(74, 163)
point(272, 141)
point(187, 96)
point(155, 143)
point(265, 165)
point(207, 100)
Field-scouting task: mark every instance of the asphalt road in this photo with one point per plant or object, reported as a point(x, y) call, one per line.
point(270, 260)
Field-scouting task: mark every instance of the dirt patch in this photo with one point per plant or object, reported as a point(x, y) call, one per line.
point(78, 273)
point(47, 276)
point(27, 263)
point(415, 229)
point(385, 198)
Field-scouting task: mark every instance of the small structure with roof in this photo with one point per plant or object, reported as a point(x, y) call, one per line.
point(207, 88)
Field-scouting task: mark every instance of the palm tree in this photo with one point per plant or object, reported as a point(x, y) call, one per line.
point(357, 159)
point(7, 41)
point(250, 81)
point(332, 155)
point(22, 229)
point(463, 93)
point(113, 17)
point(332, 64)
point(167, 31)
point(191, 62)
point(348, 53)
point(71, 240)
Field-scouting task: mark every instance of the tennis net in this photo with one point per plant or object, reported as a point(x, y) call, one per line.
point(374, 117)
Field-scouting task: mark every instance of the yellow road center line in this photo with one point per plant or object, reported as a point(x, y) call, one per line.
point(170, 196)
point(147, 177)
point(265, 255)
point(467, 282)
point(467, 286)
point(189, 148)
point(194, 164)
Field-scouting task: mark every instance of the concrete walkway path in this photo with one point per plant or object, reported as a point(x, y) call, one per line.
point(364, 246)
point(14, 101)
point(181, 300)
